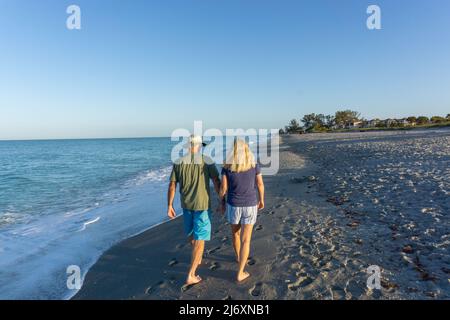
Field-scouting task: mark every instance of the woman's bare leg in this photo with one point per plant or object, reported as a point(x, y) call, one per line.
point(246, 236)
point(236, 232)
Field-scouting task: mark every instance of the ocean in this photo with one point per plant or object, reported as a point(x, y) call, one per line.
point(64, 202)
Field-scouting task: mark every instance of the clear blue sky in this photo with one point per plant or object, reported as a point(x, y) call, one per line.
point(144, 68)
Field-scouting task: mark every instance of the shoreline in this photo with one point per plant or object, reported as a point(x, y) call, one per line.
point(70, 296)
point(307, 243)
point(167, 266)
point(64, 203)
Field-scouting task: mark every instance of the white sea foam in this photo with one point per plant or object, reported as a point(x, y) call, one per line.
point(88, 223)
point(35, 255)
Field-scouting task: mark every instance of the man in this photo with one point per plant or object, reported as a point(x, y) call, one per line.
point(193, 172)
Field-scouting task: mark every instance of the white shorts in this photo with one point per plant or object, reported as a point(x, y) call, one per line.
point(242, 215)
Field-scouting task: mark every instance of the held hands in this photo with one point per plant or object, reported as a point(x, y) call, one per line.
point(221, 207)
point(171, 212)
point(260, 205)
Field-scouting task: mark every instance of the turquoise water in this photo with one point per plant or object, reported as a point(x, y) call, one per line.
point(63, 202)
point(49, 177)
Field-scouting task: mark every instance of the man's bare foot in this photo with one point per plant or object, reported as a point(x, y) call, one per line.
point(242, 276)
point(193, 280)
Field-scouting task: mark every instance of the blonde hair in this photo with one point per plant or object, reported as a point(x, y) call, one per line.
point(240, 158)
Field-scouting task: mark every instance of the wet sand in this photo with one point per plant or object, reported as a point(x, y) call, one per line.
point(339, 204)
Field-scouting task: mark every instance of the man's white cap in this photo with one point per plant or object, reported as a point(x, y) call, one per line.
point(194, 140)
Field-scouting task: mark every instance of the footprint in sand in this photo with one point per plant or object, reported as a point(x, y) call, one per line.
point(353, 224)
point(337, 293)
point(211, 251)
point(149, 290)
point(214, 266)
point(258, 227)
point(302, 281)
point(186, 287)
point(256, 290)
point(173, 262)
point(152, 288)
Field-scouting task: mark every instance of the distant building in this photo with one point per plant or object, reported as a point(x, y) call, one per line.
point(355, 124)
point(390, 122)
point(403, 122)
point(371, 123)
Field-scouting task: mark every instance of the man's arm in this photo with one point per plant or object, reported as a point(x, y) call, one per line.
point(216, 182)
point(170, 196)
point(260, 185)
point(214, 175)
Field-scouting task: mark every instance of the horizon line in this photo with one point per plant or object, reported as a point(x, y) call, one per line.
point(91, 138)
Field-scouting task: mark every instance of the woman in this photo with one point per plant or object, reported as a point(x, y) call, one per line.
point(241, 183)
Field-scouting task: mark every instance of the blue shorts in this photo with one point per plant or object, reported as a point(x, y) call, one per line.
point(197, 224)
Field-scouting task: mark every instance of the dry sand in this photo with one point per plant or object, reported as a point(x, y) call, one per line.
point(340, 203)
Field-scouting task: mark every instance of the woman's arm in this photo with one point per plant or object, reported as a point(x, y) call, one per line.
point(223, 187)
point(222, 192)
point(260, 185)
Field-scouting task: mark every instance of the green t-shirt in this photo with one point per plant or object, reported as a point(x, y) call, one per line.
point(193, 173)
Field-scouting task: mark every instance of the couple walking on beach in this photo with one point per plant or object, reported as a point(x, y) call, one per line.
point(240, 192)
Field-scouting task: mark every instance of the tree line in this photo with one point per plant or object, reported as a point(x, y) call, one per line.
point(347, 118)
